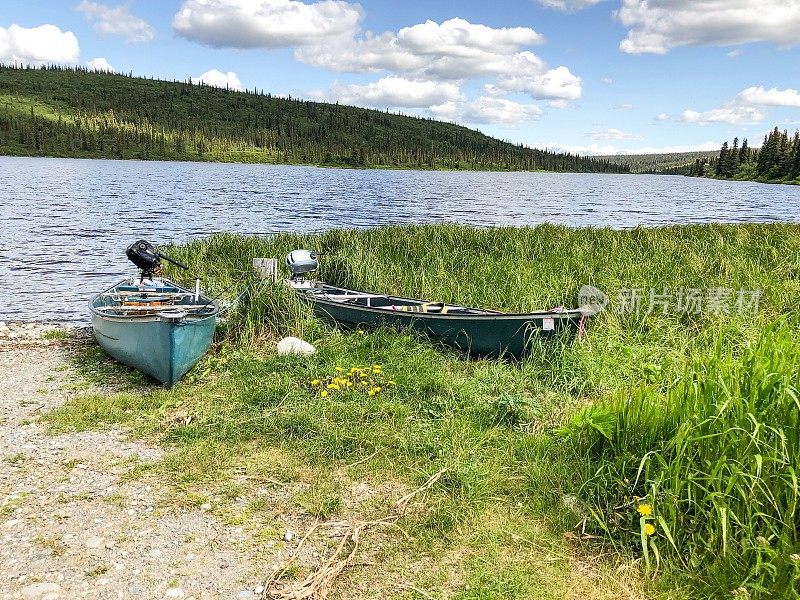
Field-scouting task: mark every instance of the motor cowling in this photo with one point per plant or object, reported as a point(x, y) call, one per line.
point(145, 256)
point(300, 262)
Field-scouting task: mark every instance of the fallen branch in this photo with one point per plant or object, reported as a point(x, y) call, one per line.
point(318, 584)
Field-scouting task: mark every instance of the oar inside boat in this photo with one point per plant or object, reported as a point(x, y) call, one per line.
point(151, 323)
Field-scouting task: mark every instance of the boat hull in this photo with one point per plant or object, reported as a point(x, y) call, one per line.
point(159, 345)
point(488, 335)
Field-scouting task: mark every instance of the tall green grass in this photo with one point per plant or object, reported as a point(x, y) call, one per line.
point(689, 413)
point(704, 476)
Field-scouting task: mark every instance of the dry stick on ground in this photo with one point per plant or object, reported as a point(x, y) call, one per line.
point(318, 584)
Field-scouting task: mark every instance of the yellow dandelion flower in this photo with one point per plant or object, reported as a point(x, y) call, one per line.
point(377, 389)
point(390, 382)
point(323, 393)
point(645, 510)
point(349, 384)
point(345, 381)
point(361, 332)
point(333, 386)
point(315, 382)
point(364, 382)
point(340, 369)
point(371, 393)
point(649, 529)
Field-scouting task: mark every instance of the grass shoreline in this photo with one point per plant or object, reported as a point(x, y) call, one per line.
point(530, 450)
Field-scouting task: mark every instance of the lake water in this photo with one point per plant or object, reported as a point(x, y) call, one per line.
point(65, 223)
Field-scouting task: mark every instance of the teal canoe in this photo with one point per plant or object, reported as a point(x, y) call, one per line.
point(479, 332)
point(154, 325)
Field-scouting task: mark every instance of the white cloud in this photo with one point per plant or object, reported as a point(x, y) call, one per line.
point(487, 110)
point(395, 92)
point(426, 62)
point(745, 108)
point(100, 64)
point(556, 83)
point(454, 49)
point(266, 23)
point(216, 78)
point(457, 37)
point(656, 26)
point(606, 80)
point(624, 106)
point(569, 5)
point(735, 53)
point(45, 44)
point(117, 20)
point(613, 134)
point(734, 115)
point(771, 97)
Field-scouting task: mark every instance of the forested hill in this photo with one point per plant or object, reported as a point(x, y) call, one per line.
point(659, 163)
point(55, 111)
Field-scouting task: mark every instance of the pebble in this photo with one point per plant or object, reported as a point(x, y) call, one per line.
point(205, 506)
point(37, 590)
point(244, 595)
point(288, 536)
point(62, 496)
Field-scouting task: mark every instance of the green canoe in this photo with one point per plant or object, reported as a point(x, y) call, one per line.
point(154, 325)
point(479, 332)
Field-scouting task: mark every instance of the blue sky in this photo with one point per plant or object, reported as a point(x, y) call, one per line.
point(593, 76)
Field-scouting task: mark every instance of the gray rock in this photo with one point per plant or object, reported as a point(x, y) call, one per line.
point(37, 590)
point(135, 589)
point(293, 345)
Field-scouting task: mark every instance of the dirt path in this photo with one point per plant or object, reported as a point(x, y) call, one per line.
point(71, 524)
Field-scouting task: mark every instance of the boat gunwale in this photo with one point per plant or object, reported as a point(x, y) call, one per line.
point(188, 319)
point(318, 298)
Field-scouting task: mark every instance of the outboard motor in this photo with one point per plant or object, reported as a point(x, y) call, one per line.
point(301, 262)
point(147, 257)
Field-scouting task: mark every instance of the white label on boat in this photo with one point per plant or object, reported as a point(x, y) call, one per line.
point(548, 324)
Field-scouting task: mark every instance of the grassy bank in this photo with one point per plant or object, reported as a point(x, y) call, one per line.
point(642, 425)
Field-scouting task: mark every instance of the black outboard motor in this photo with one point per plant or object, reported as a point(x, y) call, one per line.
point(147, 257)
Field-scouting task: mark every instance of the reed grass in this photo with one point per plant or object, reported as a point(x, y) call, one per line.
point(665, 409)
point(704, 475)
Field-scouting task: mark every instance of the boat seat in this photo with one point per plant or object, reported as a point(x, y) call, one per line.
point(427, 307)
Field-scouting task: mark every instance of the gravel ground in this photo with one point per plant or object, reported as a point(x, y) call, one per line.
point(71, 526)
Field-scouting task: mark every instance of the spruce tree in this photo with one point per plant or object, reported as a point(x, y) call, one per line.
point(722, 162)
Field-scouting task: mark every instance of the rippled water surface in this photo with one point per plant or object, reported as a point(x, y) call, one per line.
point(64, 223)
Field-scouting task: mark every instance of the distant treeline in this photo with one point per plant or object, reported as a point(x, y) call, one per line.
point(72, 112)
point(778, 160)
point(660, 162)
